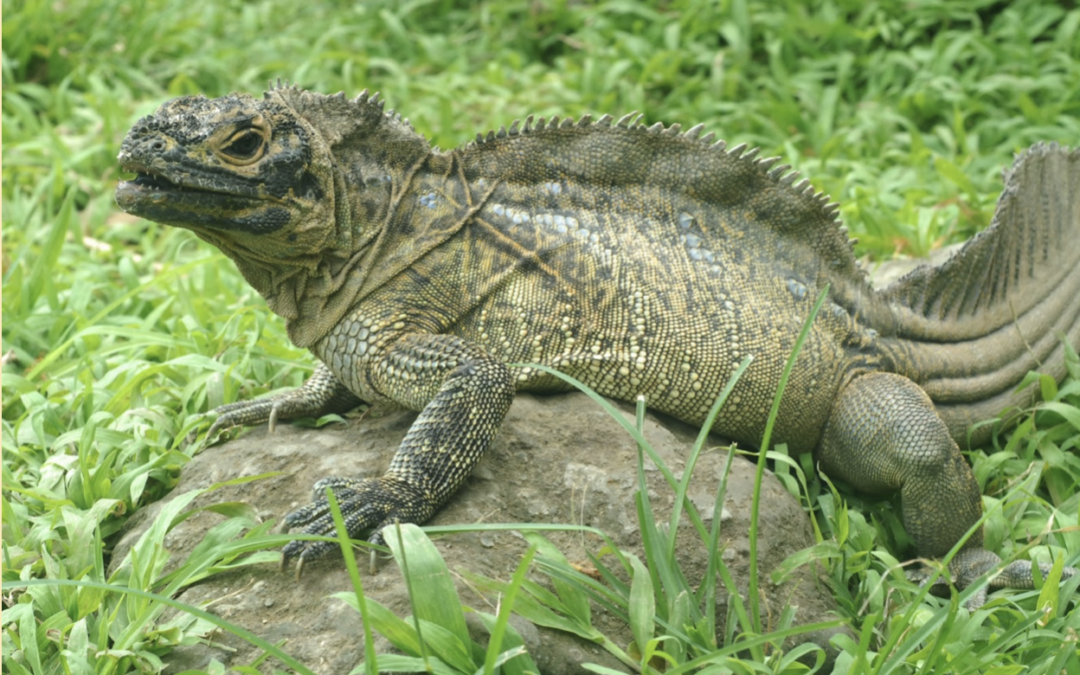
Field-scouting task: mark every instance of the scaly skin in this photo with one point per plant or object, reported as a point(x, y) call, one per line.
point(639, 260)
point(322, 394)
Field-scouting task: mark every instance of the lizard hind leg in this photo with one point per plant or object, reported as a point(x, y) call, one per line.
point(884, 435)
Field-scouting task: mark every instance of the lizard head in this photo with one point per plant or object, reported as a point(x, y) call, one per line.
point(292, 186)
point(242, 172)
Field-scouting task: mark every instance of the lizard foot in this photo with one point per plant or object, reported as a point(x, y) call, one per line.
point(321, 394)
point(366, 505)
point(250, 413)
point(970, 564)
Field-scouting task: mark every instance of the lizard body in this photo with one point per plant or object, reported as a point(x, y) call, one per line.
point(640, 260)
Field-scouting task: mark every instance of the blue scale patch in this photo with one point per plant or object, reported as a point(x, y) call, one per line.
point(797, 288)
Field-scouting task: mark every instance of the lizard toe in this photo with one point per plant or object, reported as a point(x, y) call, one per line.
point(367, 505)
point(970, 564)
point(241, 413)
point(965, 569)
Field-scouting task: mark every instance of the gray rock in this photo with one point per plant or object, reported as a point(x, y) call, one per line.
point(885, 273)
point(557, 459)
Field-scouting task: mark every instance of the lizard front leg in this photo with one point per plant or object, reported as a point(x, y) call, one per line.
point(321, 394)
point(884, 435)
point(463, 395)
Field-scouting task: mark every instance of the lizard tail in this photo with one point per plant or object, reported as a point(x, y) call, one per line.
point(975, 326)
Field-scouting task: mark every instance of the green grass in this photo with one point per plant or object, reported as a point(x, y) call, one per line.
point(119, 334)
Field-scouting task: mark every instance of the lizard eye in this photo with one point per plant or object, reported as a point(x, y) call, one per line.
point(244, 146)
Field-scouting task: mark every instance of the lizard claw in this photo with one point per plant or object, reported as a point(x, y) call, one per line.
point(367, 505)
point(272, 422)
point(241, 413)
point(321, 394)
point(219, 425)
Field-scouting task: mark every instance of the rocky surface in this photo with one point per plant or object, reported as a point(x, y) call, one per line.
point(884, 273)
point(557, 459)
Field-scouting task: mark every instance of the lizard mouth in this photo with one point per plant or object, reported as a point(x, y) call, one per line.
point(150, 181)
point(196, 204)
point(147, 190)
point(148, 187)
point(154, 187)
point(154, 195)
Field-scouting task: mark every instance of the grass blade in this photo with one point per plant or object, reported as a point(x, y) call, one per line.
point(755, 508)
point(432, 592)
